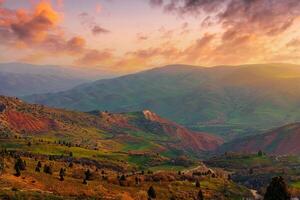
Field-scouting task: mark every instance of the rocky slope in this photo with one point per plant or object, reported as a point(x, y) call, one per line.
point(137, 131)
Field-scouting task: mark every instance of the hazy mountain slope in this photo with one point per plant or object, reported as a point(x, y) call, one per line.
point(225, 99)
point(18, 79)
point(136, 132)
point(15, 84)
point(280, 141)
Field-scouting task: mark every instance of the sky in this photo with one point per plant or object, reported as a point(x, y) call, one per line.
point(133, 35)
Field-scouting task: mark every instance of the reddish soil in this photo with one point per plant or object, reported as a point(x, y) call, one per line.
point(28, 123)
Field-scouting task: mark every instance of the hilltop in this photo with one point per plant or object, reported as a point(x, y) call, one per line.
point(127, 135)
point(228, 100)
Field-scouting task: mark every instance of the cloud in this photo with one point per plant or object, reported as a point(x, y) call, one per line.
point(29, 28)
point(96, 30)
point(270, 17)
point(89, 21)
point(34, 28)
point(39, 31)
point(95, 57)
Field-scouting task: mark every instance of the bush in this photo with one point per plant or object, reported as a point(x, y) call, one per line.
point(151, 193)
point(277, 190)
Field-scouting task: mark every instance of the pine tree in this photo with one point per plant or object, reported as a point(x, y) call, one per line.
point(37, 169)
point(197, 184)
point(200, 195)
point(18, 171)
point(277, 190)
point(88, 174)
point(20, 164)
point(39, 164)
point(151, 193)
point(61, 174)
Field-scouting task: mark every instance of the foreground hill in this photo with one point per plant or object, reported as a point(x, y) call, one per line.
point(18, 79)
point(133, 133)
point(280, 141)
point(227, 100)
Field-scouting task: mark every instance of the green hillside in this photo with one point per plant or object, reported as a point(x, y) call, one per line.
point(227, 100)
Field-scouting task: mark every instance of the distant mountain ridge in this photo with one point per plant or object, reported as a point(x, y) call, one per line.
point(228, 100)
point(19, 79)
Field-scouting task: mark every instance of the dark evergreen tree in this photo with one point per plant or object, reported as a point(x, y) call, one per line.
point(151, 193)
point(48, 169)
point(62, 174)
point(123, 178)
point(197, 184)
point(88, 174)
point(37, 169)
point(39, 164)
point(277, 190)
point(18, 171)
point(20, 164)
point(200, 195)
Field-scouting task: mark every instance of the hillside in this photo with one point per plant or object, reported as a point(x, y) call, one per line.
point(129, 133)
point(280, 141)
point(19, 79)
point(229, 100)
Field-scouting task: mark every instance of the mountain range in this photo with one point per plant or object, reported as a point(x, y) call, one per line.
point(18, 79)
point(227, 100)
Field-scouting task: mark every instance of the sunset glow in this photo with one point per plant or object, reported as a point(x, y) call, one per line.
point(132, 35)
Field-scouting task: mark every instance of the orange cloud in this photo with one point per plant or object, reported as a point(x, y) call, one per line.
point(95, 57)
point(35, 27)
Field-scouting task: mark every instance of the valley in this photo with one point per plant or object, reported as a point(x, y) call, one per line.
point(126, 154)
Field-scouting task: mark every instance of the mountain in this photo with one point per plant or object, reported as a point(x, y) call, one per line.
point(18, 79)
point(280, 141)
point(228, 100)
point(136, 132)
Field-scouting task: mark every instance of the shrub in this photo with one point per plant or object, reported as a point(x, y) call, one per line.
point(151, 193)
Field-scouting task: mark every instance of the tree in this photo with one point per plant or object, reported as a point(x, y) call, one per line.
point(19, 166)
point(200, 195)
point(88, 174)
point(37, 169)
point(123, 178)
point(39, 164)
point(48, 169)
point(197, 184)
point(260, 153)
point(18, 171)
point(151, 193)
point(277, 190)
point(61, 174)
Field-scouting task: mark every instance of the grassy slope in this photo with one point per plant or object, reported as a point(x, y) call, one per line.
point(237, 100)
point(124, 137)
point(36, 185)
